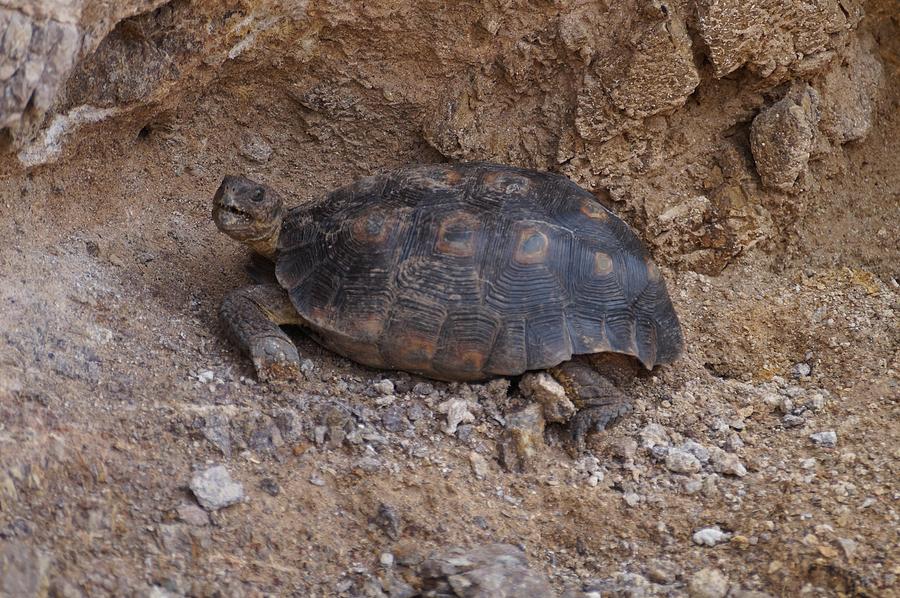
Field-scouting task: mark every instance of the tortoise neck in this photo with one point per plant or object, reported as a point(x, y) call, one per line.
point(268, 245)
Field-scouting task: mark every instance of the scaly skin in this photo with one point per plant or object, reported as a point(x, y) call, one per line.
point(599, 402)
point(253, 315)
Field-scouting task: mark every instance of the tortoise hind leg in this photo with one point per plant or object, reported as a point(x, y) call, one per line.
point(590, 383)
point(252, 315)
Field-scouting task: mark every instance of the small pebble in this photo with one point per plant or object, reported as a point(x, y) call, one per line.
point(727, 463)
point(801, 370)
point(385, 387)
point(662, 572)
point(386, 559)
point(423, 389)
point(708, 583)
point(680, 461)
point(457, 411)
point(193, 515)
point(827, 439)
point(632, 499)
point(653, 435)
point(270, 486)
point(479, 465)
point(710, 536)
point(215, 489)
point(792, 421)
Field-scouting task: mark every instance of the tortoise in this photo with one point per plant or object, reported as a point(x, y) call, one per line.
point(457, 272)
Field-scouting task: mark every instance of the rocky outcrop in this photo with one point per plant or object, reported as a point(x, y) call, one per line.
point(652, 101)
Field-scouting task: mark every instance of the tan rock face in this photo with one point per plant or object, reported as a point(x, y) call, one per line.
point(650, 101)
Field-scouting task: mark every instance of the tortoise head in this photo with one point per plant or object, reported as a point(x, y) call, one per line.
point(249, 212)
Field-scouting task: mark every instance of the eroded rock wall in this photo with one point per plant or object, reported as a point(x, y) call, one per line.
point(668, 109)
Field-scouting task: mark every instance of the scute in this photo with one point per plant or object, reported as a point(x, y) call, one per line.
point(461, 272)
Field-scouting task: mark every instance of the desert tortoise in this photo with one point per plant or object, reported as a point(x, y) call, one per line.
point(453, 272)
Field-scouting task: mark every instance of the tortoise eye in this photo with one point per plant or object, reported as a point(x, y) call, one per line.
point(257, 195)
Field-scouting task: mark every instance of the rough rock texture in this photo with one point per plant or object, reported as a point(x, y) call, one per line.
point(42, 41)
point(615, 96)
point(781, 137)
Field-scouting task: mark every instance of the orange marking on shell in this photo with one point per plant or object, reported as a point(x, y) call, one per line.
point(414, 351)
point(532, 247)
point(652, 270)
point(603, 264)
point(468, 359)
point(452, 177)
point(367, 326)
point(457, 235)
point(594, 210)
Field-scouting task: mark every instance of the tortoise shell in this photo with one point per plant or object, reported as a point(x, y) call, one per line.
point(467, 271)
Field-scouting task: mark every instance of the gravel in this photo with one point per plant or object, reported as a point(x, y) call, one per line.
point(215, 489)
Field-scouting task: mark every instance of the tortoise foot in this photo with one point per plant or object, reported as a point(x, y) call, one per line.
point(599, 402)
point(275, 359)
point(595, 418)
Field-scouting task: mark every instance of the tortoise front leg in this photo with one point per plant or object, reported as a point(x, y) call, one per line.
point(252, 315)
point(588, 383)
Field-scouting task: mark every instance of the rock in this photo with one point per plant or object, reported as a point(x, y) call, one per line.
point(384, 386)
point(662, 572)
point(653, 73)
point(457, 411)
point(767, 35)
point(386, 559)
point(792, 421)
point(387, 519)
point(423, 389)
point(479, 465)
point(270, 486)
point(827, 439)
point(632, 499)
point(23, 570)
point(801, 370)
point(215, 489)
point(255, 148)
point(710, 536)
point(624, 448)
point(217, 431)
point(696, 449)
point(488, 571)
point(781, 137)
point(849, 94)
point(522, 438)
point(680, 461)
point(394, 419)
point(654, 435)
point(193, 515)
point(708, 583)
point(727, 463)
point(544, 389)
